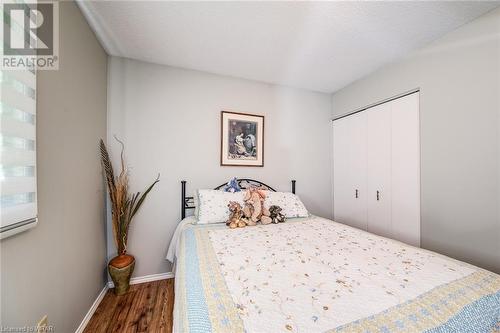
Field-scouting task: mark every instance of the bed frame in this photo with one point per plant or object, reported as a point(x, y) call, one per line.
point(244, 183)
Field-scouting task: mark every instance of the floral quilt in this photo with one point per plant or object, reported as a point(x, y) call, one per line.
point(315, 275)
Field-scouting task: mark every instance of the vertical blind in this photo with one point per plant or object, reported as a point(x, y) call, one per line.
point(18, 205)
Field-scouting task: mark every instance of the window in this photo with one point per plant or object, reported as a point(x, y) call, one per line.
point(18, 201)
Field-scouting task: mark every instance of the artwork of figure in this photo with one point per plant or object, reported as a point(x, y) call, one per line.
point(242, 139)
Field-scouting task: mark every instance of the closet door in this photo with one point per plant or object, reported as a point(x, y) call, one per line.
point(379, 169)
point(349, 170)
point(406, 169)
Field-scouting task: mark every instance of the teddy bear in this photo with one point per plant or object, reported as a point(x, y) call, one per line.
point(276, 215)
point(254, 209)
point(235, 216)
point(232, 186)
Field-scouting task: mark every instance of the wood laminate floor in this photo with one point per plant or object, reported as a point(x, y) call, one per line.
point(146, 308)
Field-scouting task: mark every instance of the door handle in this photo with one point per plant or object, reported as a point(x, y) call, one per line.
point(356, 194)
point(378, 195)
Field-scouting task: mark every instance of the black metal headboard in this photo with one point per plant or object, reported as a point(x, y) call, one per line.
point(244, 183)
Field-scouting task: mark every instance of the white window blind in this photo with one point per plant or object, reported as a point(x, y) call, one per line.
point(18, 205)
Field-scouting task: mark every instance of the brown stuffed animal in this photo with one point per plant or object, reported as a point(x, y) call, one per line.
point(235, 216)
point(254, 209)
point(276, 215)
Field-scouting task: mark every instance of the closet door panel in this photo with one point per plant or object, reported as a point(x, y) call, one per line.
point(342, 184)
point(358, 170)
point(379, 169)
point(406, 169)
point(349, 169)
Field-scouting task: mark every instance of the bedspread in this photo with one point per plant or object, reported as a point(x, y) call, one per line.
point(315, 275)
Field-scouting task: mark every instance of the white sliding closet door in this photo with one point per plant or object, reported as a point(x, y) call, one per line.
point(376, 176)
point(379, 169)
point(349, 167)
point(406, 169)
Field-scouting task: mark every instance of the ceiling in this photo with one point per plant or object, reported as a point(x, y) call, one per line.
point(321, 46)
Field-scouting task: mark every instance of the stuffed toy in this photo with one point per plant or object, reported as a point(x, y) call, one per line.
point(254, 209)
point(232, 186)
point(276, 215)
point(235, 216)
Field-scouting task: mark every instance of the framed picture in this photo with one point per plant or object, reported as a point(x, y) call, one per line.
point(242, 139)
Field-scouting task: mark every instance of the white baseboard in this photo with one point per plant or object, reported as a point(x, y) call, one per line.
point(92, 309)
point(109, 285)
point(147, 278)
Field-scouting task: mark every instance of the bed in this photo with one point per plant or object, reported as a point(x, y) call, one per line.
point(315, 275)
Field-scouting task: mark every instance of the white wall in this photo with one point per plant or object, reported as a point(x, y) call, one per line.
point(169, 120)
point(459, 78)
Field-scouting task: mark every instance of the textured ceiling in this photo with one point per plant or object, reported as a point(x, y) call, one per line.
point(320, 46)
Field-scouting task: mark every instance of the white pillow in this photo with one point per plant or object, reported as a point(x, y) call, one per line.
point(290, 203)
point(212, 205)
point(196, 203)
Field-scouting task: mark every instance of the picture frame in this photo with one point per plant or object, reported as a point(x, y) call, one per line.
point(242, 139)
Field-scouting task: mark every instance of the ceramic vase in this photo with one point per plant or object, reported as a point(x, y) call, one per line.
point(120, 269)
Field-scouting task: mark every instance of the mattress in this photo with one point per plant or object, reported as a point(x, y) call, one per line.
point(316, 275)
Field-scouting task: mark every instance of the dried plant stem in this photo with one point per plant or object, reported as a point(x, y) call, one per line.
point(124, 206)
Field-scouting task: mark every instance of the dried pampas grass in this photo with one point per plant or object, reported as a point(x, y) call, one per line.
point(124, 206)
